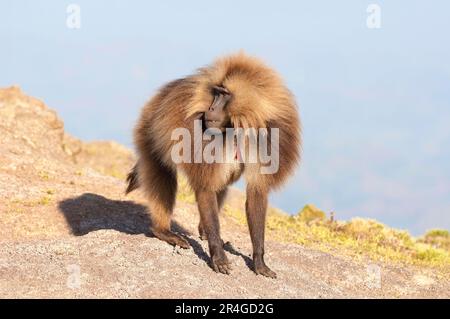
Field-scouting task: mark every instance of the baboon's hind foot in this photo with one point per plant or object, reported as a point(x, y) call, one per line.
point(220, 263)
point(171, 238)
point(262, 269)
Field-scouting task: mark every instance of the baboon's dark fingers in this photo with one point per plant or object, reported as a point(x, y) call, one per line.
point(222, 268)
point(171, 238)
point(265, 271)
point(221, 264)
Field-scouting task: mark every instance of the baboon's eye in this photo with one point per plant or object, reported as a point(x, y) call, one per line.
point(221, 97)
point(219, 89)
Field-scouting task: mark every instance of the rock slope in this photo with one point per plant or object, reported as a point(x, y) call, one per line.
point(67, 230)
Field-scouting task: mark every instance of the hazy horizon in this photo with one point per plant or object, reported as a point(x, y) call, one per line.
point(374, 103)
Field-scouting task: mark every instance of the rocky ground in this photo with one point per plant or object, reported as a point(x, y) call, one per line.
point(67, 230)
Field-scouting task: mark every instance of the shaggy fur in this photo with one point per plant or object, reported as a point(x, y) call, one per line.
point(259, 100)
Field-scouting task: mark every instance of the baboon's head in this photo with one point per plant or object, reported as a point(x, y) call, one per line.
point(240, 91)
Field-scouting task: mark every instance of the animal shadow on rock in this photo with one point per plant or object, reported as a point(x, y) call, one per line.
point(90, 212)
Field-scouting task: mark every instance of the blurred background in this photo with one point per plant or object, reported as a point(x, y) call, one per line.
point(375, 102)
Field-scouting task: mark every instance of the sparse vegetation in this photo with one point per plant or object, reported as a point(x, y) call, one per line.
point(44, 175)
point(44, 200)
point(49, 195)
point(311, 213)
point(185, 193)
point(359, 238)
point(437, 238)
point(108, 158)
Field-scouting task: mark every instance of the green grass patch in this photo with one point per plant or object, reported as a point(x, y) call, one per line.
point(358, 237)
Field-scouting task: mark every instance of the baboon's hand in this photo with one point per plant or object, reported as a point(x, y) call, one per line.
point(220, 263)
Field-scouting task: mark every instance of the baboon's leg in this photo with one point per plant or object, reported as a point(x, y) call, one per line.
point(221, 195)
point(255, 208)
point(209, 216)
point(160, 184)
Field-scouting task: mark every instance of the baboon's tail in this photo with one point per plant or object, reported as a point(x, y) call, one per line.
point(132, 179)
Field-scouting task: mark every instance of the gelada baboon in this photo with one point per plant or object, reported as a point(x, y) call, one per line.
point(236, 91)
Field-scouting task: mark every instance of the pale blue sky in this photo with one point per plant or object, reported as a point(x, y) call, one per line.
point(375, 103)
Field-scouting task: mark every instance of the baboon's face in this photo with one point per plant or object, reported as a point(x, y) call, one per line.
point(217, 114)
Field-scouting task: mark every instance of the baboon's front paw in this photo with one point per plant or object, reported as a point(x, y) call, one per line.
point(221, 264)
point(262, 269)
point(172, 238)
